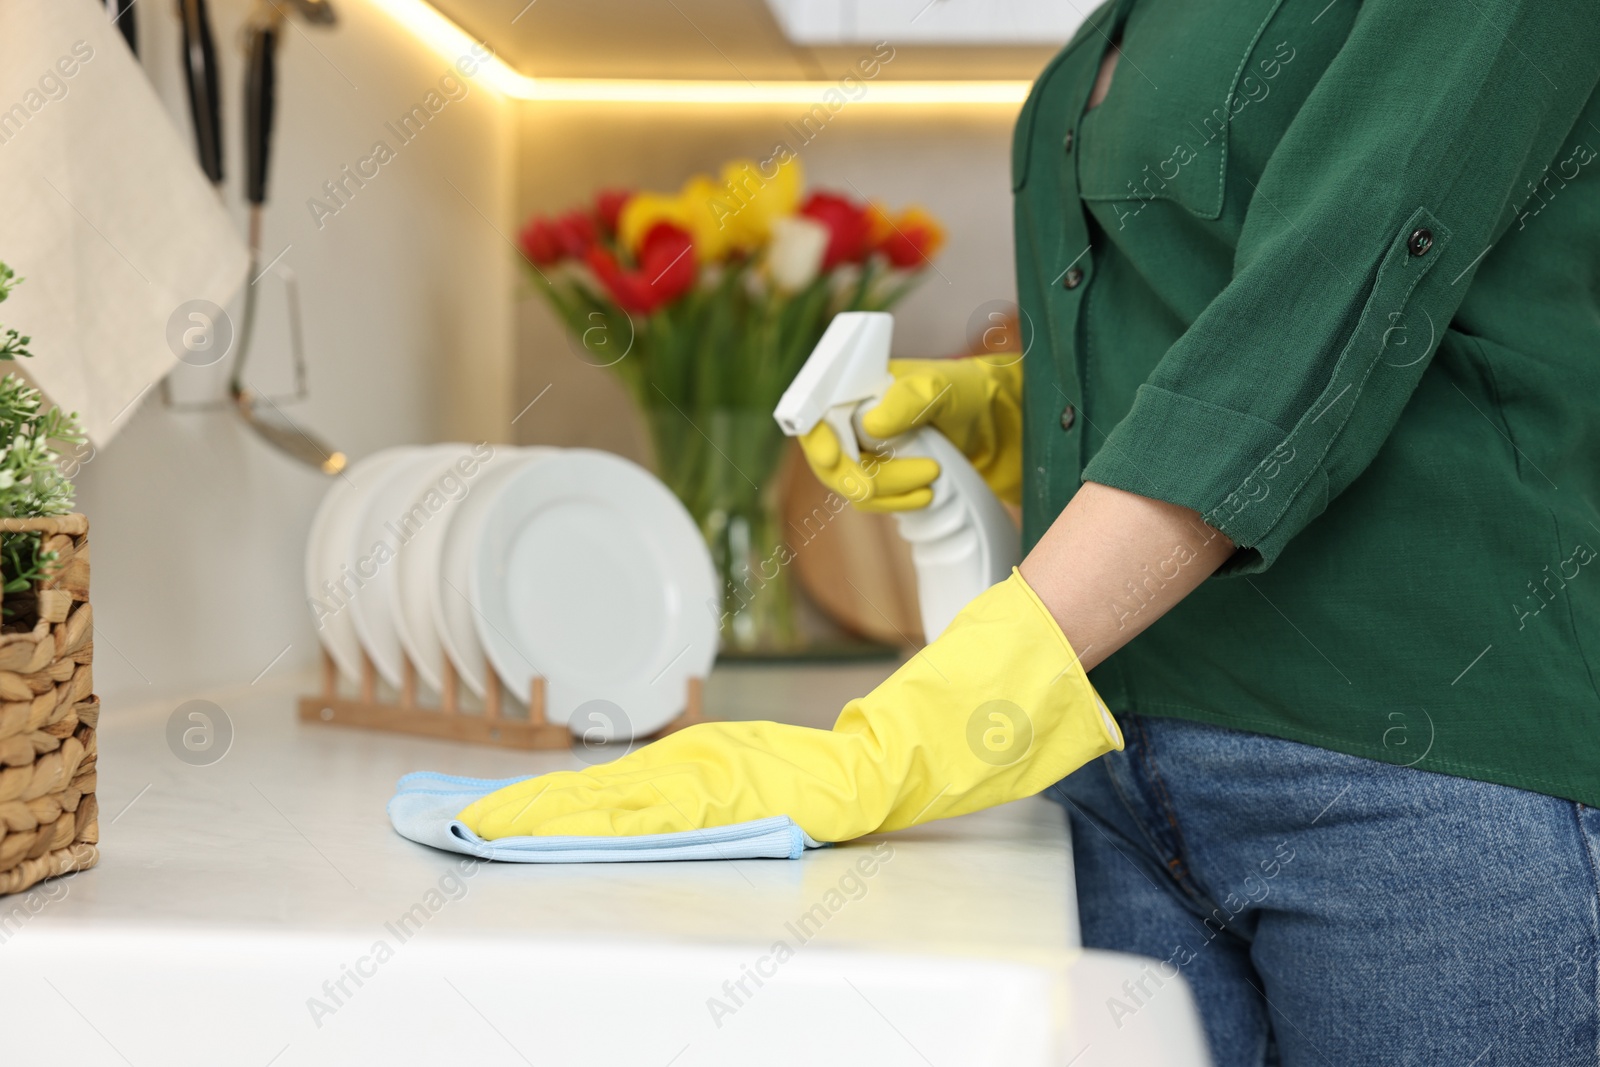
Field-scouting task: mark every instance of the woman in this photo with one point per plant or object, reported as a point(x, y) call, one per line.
point(1309, 473)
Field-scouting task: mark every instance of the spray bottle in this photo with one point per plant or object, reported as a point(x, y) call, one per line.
point(964, 541)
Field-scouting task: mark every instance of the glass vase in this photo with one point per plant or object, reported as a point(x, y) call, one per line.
point(722, 462)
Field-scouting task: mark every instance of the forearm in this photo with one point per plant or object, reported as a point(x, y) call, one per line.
point(1114, 562)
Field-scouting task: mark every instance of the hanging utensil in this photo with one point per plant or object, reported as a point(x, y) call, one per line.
point(122, 15)
point(205, 111)
point(262, 34)
point(200, 81)
point(200, 74)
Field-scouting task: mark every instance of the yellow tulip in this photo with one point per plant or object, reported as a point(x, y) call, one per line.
point(755, 195)
point(735, 213)
point(643, 211)
point(705, 203)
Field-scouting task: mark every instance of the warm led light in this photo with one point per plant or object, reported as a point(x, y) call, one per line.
point(452, 42)
point(609, 90)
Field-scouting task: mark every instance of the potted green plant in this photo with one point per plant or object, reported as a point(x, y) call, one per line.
point(32, 484)
point(48, 713)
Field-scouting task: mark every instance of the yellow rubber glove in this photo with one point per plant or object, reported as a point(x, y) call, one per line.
point(975, 401)
point(996, 709)
point(878, 482)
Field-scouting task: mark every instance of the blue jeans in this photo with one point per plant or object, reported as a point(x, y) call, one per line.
point(1335, 911)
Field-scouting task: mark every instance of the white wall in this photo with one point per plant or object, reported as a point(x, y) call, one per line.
point(197, 527)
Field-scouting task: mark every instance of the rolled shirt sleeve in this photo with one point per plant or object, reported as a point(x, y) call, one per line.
point(1410, 157)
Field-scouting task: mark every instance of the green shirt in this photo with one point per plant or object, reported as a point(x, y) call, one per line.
point(1329, 274)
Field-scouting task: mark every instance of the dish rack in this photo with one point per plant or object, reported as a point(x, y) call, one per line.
point(49, 820)
point(448, 720)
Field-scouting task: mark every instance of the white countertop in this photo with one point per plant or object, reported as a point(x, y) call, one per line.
point(232, 899)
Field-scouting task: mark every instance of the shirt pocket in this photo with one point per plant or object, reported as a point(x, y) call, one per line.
point(1186, 74)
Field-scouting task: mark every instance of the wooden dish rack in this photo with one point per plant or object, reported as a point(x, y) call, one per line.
point(448, 720)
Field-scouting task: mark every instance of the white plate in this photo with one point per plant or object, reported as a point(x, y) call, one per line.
point(413, 496)
point(588, 570)
point(448, 604)
point(417, 565)
point(333, 581)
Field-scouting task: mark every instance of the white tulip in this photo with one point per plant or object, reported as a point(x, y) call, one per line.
point(795, 255)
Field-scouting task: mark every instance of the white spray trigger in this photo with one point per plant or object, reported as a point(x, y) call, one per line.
point(849, 365)
point(842, 417)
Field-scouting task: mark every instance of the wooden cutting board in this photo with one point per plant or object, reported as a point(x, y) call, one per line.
point(854, 565)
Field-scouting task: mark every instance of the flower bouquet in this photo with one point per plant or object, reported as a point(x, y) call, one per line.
point(706, 302)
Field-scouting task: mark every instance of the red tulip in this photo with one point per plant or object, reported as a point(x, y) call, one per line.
point(847, 227)
point(539, 242)
point(608, 205)
point(667, 258)
point(666, 270)
point(576, 233)
point(623, 285)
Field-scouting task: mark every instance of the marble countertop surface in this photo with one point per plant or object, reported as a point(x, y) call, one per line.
point(257, 908)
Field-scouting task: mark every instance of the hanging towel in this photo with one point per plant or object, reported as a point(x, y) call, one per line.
point(105, 213)
point(425, 805)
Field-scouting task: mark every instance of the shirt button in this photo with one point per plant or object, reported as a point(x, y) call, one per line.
point(1066, 142)
point(1419, 242)
point(1069, 415)
point(1072, 279)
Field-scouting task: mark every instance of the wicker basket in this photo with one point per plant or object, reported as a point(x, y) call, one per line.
point(48, 816)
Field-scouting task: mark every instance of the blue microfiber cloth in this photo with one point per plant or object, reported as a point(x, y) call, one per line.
point(425, 805)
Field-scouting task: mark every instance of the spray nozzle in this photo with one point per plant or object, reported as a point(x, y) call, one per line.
point(850, 365)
